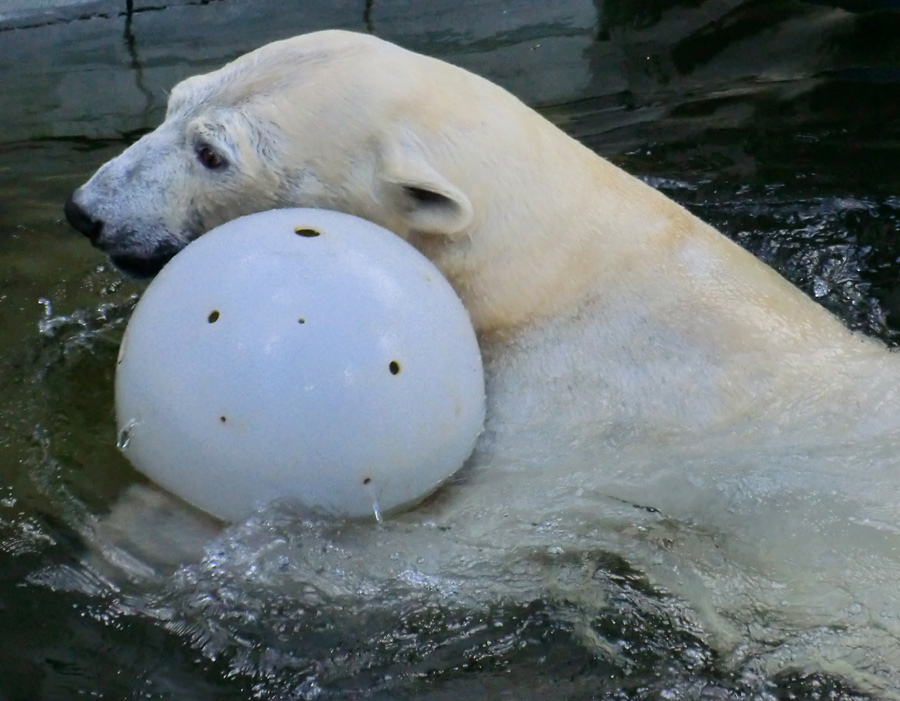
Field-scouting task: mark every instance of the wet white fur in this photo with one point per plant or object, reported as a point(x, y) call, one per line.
point(635, 356)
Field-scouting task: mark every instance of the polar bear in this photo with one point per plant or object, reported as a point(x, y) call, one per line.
point(634, 356)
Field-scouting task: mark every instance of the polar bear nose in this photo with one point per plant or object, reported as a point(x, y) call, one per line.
point(81, 220)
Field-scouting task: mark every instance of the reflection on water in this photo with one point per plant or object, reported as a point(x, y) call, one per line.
point(778, 124)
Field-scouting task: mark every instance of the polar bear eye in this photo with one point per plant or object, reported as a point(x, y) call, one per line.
point(209, 158)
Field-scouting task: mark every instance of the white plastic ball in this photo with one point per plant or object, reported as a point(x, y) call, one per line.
point(299, 354)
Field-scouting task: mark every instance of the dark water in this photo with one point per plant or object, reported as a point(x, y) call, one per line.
point(775, 121)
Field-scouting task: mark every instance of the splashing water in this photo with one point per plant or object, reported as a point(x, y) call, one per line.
point(125, 434)
point(370, 487)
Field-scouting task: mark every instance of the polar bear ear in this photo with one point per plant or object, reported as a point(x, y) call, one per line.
point(427, 202)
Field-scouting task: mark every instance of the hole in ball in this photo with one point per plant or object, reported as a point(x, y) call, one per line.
point(222, 419)
point(367, 480)
point(306, 232)
point(213, 316)
point(394, 367)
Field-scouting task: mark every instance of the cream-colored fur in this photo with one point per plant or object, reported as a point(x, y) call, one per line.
point(634, 355)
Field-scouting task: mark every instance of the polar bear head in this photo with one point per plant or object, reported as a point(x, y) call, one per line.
point(445, 159)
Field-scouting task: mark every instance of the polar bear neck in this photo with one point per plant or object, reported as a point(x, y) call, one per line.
point(558, 227)
point(561, 237)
